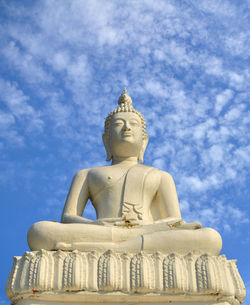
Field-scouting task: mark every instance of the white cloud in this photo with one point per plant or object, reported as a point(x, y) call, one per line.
point(159, 163)
point(75, 58)
point(60, 60)
point(242, 155)
point(17, 104)
point(6, 120)
point(156, 89)
point(218, 8)
point(26, 63)
point(58, 112)
point(222, 99)
point(214, 67)
point(217, 215)
point(186, 66)
point(233, 114)
point(236, 80)
point(4, 301)
point(216, 153)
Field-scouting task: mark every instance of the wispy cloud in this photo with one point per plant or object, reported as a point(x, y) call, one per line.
point(176, 63)
point(186, 66)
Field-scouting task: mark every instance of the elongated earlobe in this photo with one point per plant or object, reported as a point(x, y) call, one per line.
point(105, 140)
point(143, 148)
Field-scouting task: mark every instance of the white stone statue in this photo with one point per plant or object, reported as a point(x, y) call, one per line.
point(138, 251)
point(136, 205)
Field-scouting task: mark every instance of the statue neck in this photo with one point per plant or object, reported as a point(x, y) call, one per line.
point(127, 161)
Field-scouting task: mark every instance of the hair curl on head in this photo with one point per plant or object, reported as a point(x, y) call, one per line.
point(124, 105)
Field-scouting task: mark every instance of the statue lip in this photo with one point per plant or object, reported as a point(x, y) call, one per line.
point(127, 134)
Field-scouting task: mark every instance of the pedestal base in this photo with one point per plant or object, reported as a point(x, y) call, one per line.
point(56, 277)
point(73, 299)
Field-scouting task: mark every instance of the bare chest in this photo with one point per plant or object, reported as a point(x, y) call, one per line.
point(118, 191)
point(104, 178)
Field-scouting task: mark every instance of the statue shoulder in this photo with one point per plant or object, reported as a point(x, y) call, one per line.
point(89, 175)
point(98, 169)
point(147, 167)
point(86, 171)
point(163, 176)
point(95, 172)
point(81, 174)
point(152, 173)
point(155, 170)
point(166, 177)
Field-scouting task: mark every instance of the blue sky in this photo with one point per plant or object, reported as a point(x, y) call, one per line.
point(185, 65)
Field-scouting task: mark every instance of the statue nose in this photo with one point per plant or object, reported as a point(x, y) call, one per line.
point(126, 128)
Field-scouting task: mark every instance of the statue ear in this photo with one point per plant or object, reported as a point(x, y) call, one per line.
point(105, 140)
point(143, 147)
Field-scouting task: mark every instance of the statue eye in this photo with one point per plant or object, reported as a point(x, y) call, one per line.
point(134, 123)
point(118, 123)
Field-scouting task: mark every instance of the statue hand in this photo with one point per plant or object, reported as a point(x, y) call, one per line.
point(105, 221)
point(177, 223)
point(188, 225)
point(98, 222)
point(170, 221)
point(116, 221)
point(129, 223)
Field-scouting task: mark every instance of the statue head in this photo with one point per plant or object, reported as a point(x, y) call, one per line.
point(125, 131)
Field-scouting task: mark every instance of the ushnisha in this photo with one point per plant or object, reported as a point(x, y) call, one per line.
point(136, 205)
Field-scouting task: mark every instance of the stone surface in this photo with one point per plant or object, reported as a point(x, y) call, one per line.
point(53, 276)
point(112, 259)
point(137, 206)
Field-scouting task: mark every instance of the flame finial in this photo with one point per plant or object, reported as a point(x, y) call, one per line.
point(125, 99)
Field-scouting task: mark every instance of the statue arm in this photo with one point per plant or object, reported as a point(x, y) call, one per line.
point(168, 200)
point(76, 200)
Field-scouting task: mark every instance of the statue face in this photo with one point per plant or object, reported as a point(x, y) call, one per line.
point(126, 127)
point(126, 135)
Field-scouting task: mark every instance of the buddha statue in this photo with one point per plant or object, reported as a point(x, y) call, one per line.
point(136, 205)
